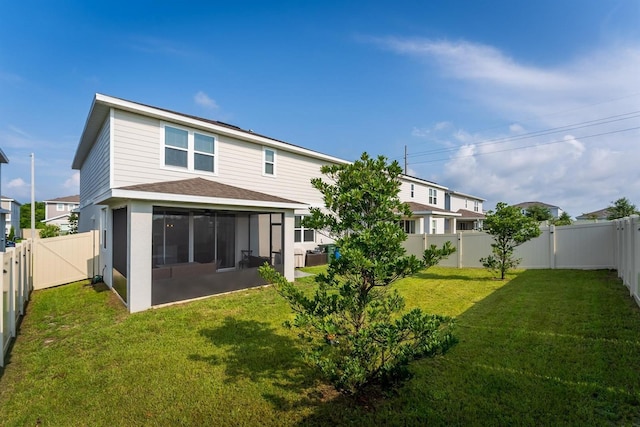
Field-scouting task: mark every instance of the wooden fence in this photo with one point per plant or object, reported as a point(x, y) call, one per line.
point(39, 264)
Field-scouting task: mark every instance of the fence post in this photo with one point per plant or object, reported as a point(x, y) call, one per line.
point(552, 246)
point(459, 250)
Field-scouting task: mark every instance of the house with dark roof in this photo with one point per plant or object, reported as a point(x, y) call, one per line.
point(12, 206)
point(57, 211)
point(188, 207)
point(556, 212)
point(470, 209)
point(595, 216)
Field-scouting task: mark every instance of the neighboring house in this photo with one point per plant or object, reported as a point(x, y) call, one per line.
point(3, 212)
point(13, 217)
point(595, 216)
point(556, 212)
point(189, 207)
point(57, 211)
point(470, 209)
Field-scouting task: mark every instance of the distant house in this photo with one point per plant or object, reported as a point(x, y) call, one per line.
point(556, 212)
point(57, 211)
point(3, 212)
point(595, 216)
point(470, 209)
point(13, 217)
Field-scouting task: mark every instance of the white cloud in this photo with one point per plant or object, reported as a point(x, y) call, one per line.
point(73, 182)
point(580, 169)
point(17, 183)
point(204, 100)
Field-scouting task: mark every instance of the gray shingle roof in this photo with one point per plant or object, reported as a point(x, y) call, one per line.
point(206, 188)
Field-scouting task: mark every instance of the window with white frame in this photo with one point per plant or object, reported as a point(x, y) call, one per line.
point(476, 206)
point(269, 157)
point(408, 225)
point(433, 196)
point(412, 188)
point(434, 226)
point(466, 203)
point(302, 234)
point(60, 207)
point(190, 150)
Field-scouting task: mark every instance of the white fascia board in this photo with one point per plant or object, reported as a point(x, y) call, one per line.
point(423, 182)
point(185, 198)
point(239, 134)
point(55, 218)
point(435, 213)
point(457, 193)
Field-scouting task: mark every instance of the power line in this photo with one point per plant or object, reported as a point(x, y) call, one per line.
point(526, 146)
point(549, 131)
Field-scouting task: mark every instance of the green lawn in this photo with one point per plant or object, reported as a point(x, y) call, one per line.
point(545, 347)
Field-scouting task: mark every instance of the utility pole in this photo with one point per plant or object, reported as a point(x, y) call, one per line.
point(405, 159)
point(33, 196)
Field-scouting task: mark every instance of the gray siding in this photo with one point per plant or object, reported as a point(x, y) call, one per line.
point(137, 160)
point(94, 174)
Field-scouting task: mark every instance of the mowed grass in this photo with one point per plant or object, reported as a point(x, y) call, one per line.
point(544, 347)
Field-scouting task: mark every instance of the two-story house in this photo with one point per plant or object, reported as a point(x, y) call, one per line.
point(470, 209)
point(13, 217)
point(555, 211)
point(57, 211)
point(189, 207)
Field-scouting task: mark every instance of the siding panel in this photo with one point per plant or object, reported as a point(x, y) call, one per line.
point(94, 174)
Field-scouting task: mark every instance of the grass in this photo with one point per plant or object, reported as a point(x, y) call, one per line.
point(544, 347)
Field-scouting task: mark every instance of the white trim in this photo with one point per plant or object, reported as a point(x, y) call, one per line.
point(264, 162)
point(186, 198)
point(112, 127)
point(423, 181)
point(190, 150)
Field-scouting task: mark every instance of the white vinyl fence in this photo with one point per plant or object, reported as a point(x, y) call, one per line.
point(603, 245)
point(580, 246)
point(16, 283)
point(627, 251)
point(39, 264)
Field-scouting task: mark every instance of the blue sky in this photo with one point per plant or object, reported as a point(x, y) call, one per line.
point(507, 100)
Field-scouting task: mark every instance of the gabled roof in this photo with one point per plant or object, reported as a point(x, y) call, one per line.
point(10, 199)
point(419, 208)
point(470, 214)
point(102, 105)
point(599, 214)
point(206, 188)
point(3, 157)
point(65, 199)
point(525, 205)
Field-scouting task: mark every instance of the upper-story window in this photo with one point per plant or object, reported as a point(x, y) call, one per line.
point(269, 157)
point(60, 207)
point(466, 203)
point(412, 190)
point(189, 150)
point(433, 196)
point(476, 206)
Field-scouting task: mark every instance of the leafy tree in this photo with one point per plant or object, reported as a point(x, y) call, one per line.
point(73, 223)
point(564, 219)
point(621, 208)
point(49, 230)
point(509, 228)
point(539, 213)
point(358, 333)
point(25, 215)
point(12, 233)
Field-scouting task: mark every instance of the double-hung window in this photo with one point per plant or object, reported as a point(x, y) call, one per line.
point(60, 207)
point(190, 150)
point(269, 157)
point(302, 234)
point(475, 206)
point(433, 196)
point(412, 190)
